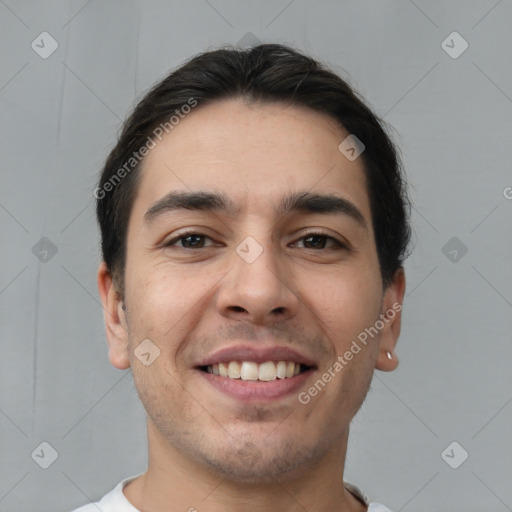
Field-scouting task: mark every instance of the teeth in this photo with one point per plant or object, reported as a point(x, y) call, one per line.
point(268, 371)
point(249, 370)
point(223, 369)
point(281, 370)
point(234, 368)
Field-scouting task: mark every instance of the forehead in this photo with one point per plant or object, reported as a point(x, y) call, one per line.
point(255, 153)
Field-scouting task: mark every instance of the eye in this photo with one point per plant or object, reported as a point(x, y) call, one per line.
point(190, 240)
point(320, 241)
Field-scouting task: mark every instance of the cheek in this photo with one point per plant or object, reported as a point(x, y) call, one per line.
point(345, 302)
point(165, 305)
point(159, 289)
point(156, 302)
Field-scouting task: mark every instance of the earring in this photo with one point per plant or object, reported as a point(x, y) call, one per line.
point(389, 354)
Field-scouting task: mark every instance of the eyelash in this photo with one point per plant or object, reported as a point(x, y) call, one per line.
point(338, 244)
point(182, 236)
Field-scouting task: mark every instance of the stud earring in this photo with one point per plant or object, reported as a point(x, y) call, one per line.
point(389, 354)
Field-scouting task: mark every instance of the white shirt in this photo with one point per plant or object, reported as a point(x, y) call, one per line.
point(116, 501)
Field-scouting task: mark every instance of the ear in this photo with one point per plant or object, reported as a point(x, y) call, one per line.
point(391, 315)
point(115, 319)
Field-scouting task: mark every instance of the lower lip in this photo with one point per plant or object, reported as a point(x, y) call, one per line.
point(255, 390)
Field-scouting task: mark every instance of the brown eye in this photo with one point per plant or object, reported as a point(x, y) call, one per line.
point(192, 241)
point(315, 242)
point(189, 241)
point(319, 241)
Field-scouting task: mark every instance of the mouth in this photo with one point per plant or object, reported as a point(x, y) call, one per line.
point(253, 371)
point(253, 375)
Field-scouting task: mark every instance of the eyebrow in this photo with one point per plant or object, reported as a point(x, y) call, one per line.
point(309, 202)
point(207, 201)
point(302, 202)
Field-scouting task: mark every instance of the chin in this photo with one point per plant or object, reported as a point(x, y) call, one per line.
point(251, 465)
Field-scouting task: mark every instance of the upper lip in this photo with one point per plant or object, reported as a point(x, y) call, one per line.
point(255, 354)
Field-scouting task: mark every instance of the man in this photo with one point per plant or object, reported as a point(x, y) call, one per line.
point(254, 224)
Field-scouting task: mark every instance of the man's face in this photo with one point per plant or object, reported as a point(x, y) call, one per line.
point(252, 282)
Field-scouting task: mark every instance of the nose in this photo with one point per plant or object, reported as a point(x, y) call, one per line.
point(258, 291)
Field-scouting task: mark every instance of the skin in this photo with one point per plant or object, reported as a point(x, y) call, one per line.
point(208, 450)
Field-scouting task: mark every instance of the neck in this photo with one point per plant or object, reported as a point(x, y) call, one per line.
point(173, 479)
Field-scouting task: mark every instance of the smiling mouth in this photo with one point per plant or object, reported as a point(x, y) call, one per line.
point(252, 371)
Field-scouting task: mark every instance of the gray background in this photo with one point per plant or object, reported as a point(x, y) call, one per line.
point(453, 120)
